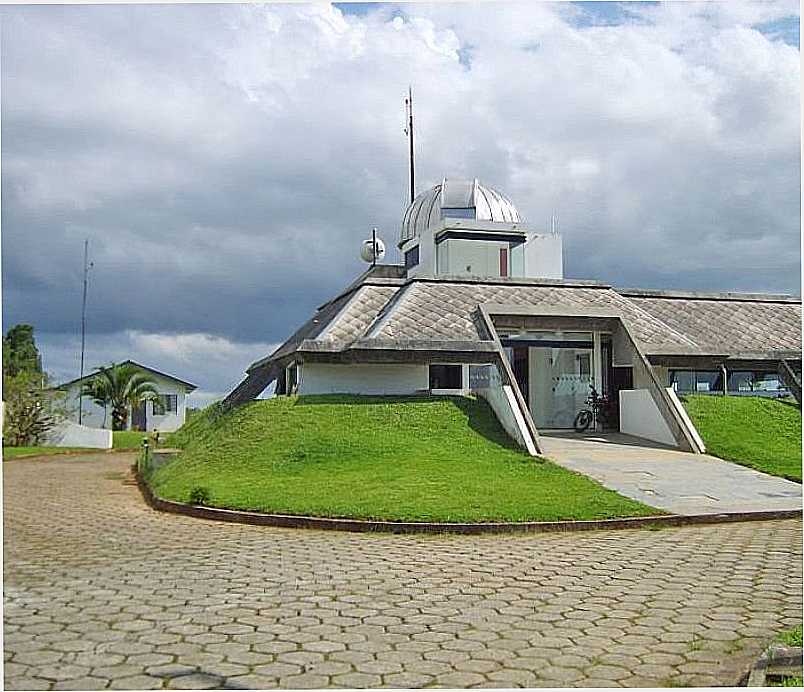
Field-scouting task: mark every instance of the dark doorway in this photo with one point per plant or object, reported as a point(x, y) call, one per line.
point(519, 365)
point(138, 421)
point(622, 377)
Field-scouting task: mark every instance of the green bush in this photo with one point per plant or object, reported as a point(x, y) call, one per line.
point(199, 496)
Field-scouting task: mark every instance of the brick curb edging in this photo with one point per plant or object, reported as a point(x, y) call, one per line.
point(370, 526)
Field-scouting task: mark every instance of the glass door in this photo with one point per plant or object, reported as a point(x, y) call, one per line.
point(560, 378)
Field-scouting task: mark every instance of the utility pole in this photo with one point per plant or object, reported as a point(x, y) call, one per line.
point(409, 133)
point(87, 265)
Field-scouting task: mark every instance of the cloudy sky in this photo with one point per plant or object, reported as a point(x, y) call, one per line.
point(225, 161)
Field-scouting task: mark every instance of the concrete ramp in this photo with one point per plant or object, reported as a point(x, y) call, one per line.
point(675, 481)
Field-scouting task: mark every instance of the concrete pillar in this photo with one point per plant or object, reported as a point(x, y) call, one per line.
point(597, 367)
point(597, 363)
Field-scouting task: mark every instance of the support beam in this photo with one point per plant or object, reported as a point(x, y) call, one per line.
point(790, 379)
point(252, 386)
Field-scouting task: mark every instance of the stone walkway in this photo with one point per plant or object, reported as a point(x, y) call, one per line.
point(679, 482)
point(101, 591)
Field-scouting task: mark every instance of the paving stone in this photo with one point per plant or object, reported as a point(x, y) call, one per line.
point(170, 670)
point(87, 683)
point(35, 658)
point(306, 681)
point(26, 683)
point(195, 681)
point(329, 668)
point(253, 682)
point(136, 682)
point(558, 674)
point(513, 678)
point(60, 671)
point(357, 680)
point(278, 670)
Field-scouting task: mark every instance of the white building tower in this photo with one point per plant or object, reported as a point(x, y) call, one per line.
point(464, 228)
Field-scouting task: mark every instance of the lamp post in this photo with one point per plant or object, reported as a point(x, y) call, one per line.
point(87, 265)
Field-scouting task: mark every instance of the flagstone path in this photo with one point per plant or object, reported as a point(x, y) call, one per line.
point(103, 592)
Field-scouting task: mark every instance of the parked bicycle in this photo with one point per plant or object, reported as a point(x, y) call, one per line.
point(599, 411)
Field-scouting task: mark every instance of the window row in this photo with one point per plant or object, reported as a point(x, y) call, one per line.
point(738, 381)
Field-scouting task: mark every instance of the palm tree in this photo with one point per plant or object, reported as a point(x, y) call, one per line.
point(120, 388)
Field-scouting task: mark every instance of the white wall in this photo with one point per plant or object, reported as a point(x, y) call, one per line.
point(472, 257)
point(93, 415)
point(69, 434)
point(502, 400)
point(363, 378)
point(639, 416)
point(544, 257)
point(426, 263)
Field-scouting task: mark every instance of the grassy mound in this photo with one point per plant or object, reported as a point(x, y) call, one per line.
point(416, 459)
point(764, 434)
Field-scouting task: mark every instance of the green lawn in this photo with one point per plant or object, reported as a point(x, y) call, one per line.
point(793, 637)
point(127, 439)
point(764, 434)
point(16, 452)
point(416, 459)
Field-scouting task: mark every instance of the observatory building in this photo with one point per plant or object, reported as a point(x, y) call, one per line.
point(480, 306)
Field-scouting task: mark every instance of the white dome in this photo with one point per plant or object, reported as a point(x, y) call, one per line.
point(470, 200)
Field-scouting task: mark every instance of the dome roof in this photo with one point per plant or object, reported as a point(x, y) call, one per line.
point(468, 198)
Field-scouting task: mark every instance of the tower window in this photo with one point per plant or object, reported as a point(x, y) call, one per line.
point(503, 261)
point(458, 212)
point(412, 257)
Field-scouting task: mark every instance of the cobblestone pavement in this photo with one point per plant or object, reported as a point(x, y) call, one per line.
point(101, 591)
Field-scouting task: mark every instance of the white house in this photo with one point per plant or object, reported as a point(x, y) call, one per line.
point(165, 413)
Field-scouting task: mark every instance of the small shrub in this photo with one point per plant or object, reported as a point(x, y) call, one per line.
point(199, 496)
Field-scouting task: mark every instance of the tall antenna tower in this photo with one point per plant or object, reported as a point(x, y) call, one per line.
point(409, 133)
point(87, 266)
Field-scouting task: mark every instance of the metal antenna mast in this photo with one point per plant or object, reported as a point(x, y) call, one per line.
point(87, 266)
point(409, 133)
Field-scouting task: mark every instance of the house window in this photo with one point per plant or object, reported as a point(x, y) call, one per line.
point(412, 257)
point(165, 403)
point(446, 376)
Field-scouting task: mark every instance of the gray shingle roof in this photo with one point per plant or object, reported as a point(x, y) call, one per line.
point(358, 314)
point(730, 325)
point(444, 310)
point(386, 311)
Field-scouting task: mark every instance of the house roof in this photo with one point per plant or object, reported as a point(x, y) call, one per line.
point(188, 386)
point(383, 310)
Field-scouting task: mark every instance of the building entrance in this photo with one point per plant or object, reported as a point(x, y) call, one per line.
point(554, 371)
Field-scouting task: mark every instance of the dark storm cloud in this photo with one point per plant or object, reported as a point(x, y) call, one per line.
point(226, 161)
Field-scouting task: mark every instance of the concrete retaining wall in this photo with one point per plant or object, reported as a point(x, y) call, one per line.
point(639, 416)
point(69, 434)
point(502, 400)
